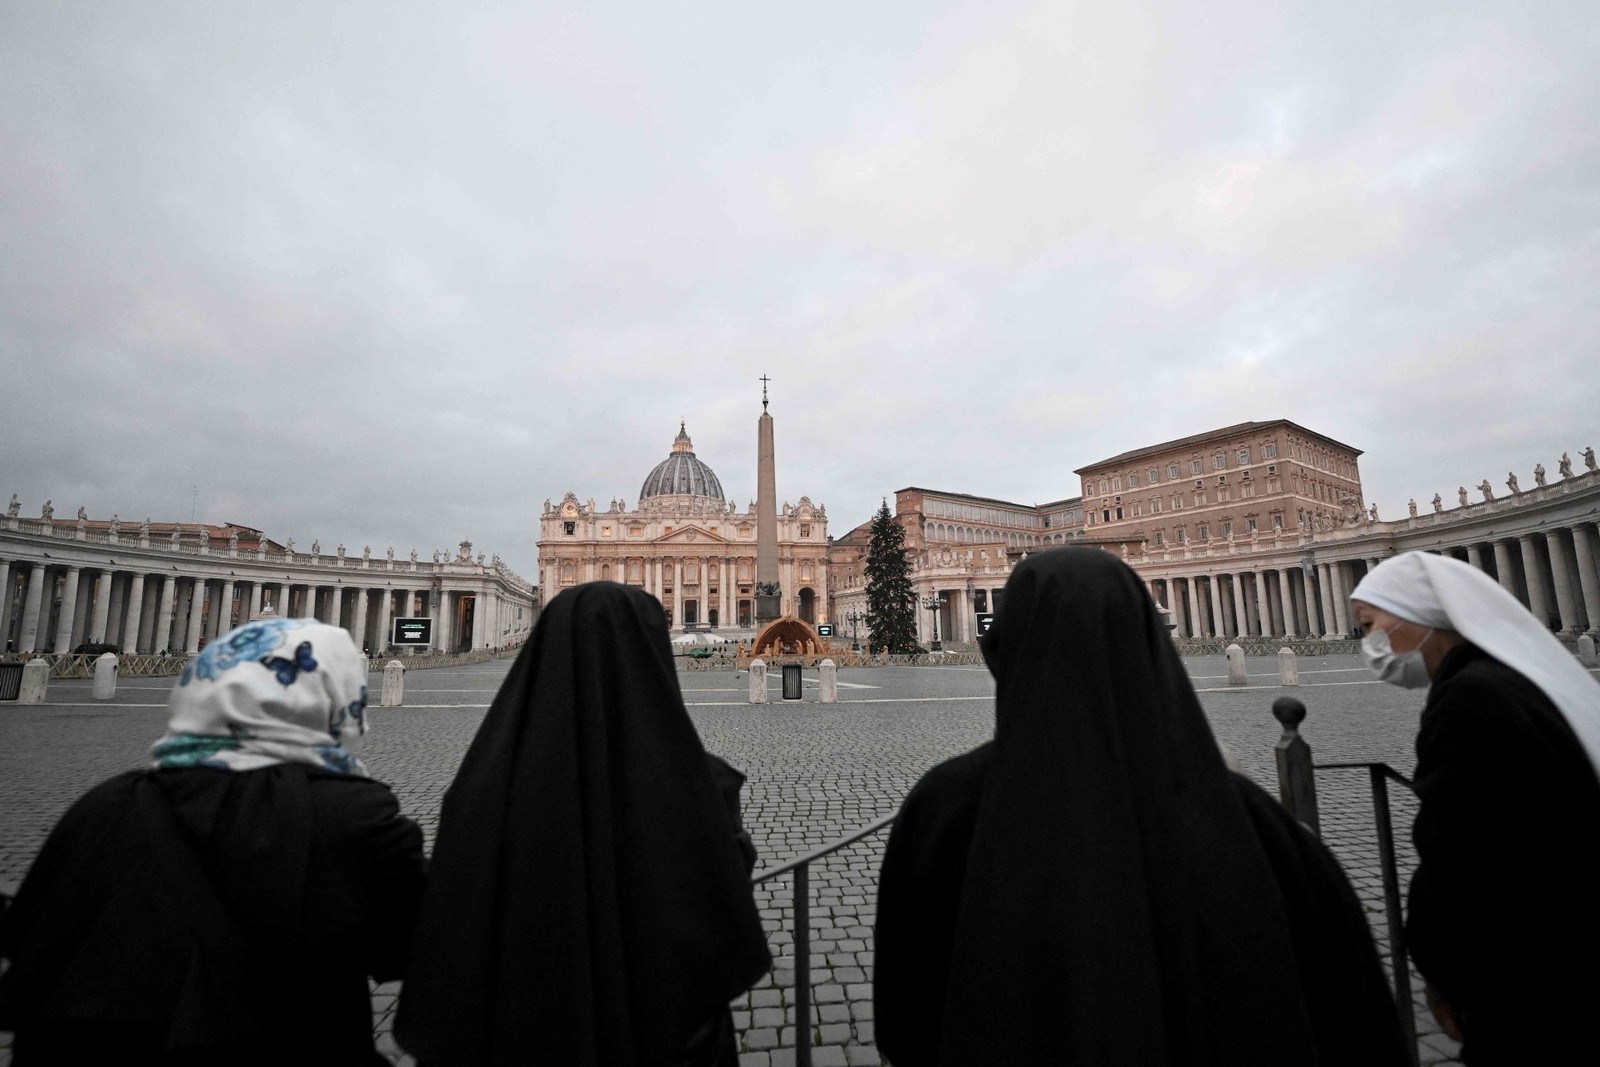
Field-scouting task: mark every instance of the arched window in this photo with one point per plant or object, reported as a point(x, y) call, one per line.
point(605, 572)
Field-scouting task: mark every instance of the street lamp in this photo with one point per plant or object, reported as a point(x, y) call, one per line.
point(852, 618)
point(933, 602)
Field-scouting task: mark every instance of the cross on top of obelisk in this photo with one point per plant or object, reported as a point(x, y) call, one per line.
point(764, 381)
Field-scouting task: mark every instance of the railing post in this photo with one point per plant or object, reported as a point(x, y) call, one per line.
point(802, 966)
point(1297, 782)
point(1391, 907)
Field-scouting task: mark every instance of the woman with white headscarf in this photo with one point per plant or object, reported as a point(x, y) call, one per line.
point(227, 903)
point(1500, 916)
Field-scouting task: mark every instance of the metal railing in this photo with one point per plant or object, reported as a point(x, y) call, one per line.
point(1297, 789)
point(801, 910)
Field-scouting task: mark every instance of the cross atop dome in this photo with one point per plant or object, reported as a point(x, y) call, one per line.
point(681, 443)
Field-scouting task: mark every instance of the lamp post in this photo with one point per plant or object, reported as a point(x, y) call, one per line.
point(852, 618)
point(933, 602)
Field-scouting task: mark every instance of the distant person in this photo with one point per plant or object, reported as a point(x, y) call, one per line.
point(1095, 887)
point(1509, 818)
point(589, 900)
point(227, 904)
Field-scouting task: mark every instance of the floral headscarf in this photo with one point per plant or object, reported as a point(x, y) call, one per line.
point(270, 691)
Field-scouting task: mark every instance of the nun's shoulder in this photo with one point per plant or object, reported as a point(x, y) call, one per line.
point(955, 782)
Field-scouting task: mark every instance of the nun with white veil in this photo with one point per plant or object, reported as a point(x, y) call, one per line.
point(1501, 911)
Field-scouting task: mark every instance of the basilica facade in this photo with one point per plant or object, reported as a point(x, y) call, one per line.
point(688, 546)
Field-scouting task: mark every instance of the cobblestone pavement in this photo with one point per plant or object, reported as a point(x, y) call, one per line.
point(816, 772)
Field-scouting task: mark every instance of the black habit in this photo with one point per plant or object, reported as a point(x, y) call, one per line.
point(212, 916)
point(589, 903)
point(1501, 919)
point(1094, 887)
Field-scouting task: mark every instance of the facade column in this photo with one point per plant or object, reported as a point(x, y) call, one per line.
point(101, 610)
point(1221, 587)
point(1534, 574)
point(677, 594)
point(380, 637)
point(8, 580)
point(197, 616)
point(255, 599)
point(1325, 597)
point(1566, 607)
point(130, 626)
point(161, 640)
point(311, 601)
point(1475, 556)
point(28, 637)
point(224, 612)
point(80, 614)
point(336, 612)
point(480, 618)
point(1263, 602)
point(443, 620)
point(1588, 575)
point(115, 603)
point(1505, 573)
point(1341, 597)
point(1286, 602)
point(69, 606)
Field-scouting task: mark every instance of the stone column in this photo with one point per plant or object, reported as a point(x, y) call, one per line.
point(80, 615)
point(1286, 601)
point(118, 602)
point(69, 608)
point(1561, 571)
point(441, 622)
point(161, 640)
point(255, 599)
point(102, 608)
point(1222, 591)
point(1588, 573)
point(1218, 625)
point(336, 609)
point(1195, 629)
point(1325, 598)
point(480, 619)
point(380, 637)
point(1341, 597)
point(224, 612)
point(1533, 572)
point(8, 579)
point(1475, 556)
point(359, 629)
point(130, 626)
point(197, 609)
point(1263, 602)
point(1505, 573)
point(28, 636)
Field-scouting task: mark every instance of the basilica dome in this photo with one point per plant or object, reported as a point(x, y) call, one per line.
point(681, 474)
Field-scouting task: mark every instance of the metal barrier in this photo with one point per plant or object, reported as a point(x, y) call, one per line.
point(10, 681)
point(1297, 789)
point(802, 928)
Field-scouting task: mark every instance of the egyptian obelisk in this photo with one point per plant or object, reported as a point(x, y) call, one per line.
point(768, 600)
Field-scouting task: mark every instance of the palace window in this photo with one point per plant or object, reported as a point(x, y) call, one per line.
point(570, 528)
point(1200, 498)
point(805, 529)
point(1152, 475)
point(1244, 454)
point(1227, 528)
point(1219, 461)
point(1133, 479)
point(1155, 505)
point(1172, 470)
point(1222, 479)
point(1137, 511)
point(1250, 525)
point(1088, 487)
point(1270, 450)
point(1105, 486)
point(1203, 532)
point(605, 531)
point(1177, 535)
point(1277, 522)
point(1245, 477)
point(1159, 539)
point(1195, 466)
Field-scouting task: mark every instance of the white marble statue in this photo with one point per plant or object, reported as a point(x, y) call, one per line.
point(47, 512)
point(14, 508)
point(144, 527)
point(1565, 467)
point(233, 540)
point(205, 536)
point(366, 553)
point(1588, 457)
point(1538, 474)
point(116, 523)
point(83, 515)
point(1411, 506)
point(1511, 483)
point(1461, 493)
point(1486, 489)
point(173, 538)
point(316, 548)
point(413, 555)
point(1438, 503)
point(340, 550)
point(1372, 513)
point(390, 554)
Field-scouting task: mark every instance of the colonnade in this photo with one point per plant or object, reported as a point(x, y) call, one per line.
point(1553, 572)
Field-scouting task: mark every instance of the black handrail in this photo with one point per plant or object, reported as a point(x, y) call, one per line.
point(801, 866)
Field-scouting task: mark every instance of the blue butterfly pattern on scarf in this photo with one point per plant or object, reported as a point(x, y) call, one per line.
point(253, 641)
point(288, 670)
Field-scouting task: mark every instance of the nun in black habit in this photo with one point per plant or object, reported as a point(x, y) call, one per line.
point(228, 903)
point(1095, 887)
point(589, 901)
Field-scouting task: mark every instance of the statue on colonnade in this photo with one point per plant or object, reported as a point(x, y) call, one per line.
point(1411, 506)
point(1565, 467)
point(1511, 483)
point(14, 508)
point(47, 512)
point(1462, 494)
point(1538, 474)
point(1588, 457)
point(1486, 489)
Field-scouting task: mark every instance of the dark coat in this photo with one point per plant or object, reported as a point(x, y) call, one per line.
point(589, 903)
point(204, 915)
point(1501, 909)
point(1094, 887)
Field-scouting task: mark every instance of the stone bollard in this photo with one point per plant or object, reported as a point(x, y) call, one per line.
point(394, 684)
point(1586, 651)
point(1297, 781)
point(105, 676)
point(758, 682)
point(35, 681)
point(1288, 667)
point(1236, 674)
point(828, 682)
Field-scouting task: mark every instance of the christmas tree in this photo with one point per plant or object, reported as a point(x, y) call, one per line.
point(891, 603)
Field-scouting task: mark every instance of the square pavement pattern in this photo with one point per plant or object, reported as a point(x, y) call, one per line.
point(816, 772)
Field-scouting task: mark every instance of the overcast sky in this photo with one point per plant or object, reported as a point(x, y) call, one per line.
point(393, 274)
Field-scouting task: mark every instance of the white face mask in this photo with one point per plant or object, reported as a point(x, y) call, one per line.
point(1405, 669)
